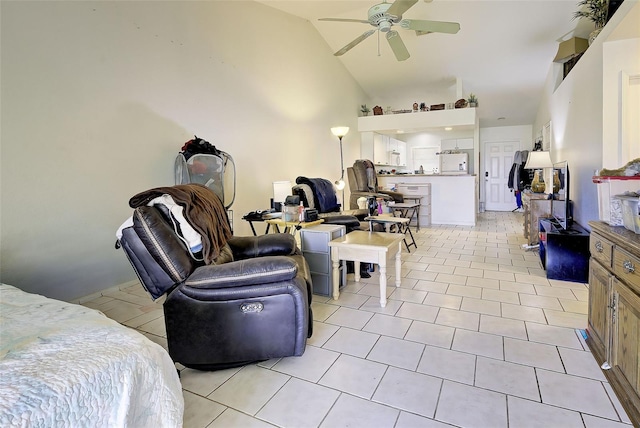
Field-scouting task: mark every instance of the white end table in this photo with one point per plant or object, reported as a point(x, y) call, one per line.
point(366, 247)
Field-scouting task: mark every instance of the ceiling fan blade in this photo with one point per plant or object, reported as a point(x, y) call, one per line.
point(357, 40)
point(425, 27)
point(400, 6)
point(344, 20)
point(397, 46)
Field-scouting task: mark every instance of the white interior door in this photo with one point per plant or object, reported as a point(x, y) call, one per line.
point(498, 159)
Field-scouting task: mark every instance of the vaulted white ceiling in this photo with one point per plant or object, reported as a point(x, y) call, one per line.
point(502, 53)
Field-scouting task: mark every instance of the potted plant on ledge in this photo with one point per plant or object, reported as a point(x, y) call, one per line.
point(365, 110)
point(473, 101)
point(596, 11)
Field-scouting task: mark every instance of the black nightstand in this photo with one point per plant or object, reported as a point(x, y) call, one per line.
point(564, 253)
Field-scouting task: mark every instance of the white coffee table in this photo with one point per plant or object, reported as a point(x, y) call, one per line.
point(366, 247)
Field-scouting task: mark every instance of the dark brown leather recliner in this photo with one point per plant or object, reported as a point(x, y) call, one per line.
point(363, 182)
point(319, 194)
point(251, 303)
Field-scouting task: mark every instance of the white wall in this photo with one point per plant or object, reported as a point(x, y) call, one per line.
point(621, 79)
point(98, 98)
point(575, 109)
point(522, 134)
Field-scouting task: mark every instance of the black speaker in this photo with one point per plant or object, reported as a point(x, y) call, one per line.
point(310, 214)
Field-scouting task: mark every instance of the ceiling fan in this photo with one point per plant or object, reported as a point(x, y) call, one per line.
point(384, 16)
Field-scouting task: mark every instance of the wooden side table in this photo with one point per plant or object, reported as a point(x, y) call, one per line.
point(536, 206)
point(366, 247)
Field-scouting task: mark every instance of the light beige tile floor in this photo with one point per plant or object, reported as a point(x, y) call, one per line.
point(475, 337)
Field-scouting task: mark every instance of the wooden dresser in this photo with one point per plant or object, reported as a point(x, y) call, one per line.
point(614, 310)
point(536, 206)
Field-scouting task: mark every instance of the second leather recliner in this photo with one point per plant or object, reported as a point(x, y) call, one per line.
point(251, 304)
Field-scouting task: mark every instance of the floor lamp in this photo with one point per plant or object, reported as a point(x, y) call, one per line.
point(340, 131)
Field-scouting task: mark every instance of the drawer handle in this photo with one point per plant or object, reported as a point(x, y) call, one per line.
point(598, 246)
point(628, 266)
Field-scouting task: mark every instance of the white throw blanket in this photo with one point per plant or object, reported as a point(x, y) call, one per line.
point(67, 365)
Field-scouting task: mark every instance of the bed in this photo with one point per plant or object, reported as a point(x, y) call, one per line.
point(67, 365)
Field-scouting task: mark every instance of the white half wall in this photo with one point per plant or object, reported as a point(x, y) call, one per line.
point(99, 97)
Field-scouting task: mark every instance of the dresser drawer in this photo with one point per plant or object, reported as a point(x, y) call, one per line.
point(414, 190)
point(627, 268)
point(601, 249)
point(318, 262)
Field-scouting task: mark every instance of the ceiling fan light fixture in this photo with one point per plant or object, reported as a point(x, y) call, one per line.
point(384, 26)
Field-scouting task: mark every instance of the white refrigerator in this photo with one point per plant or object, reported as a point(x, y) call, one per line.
point(454, 163)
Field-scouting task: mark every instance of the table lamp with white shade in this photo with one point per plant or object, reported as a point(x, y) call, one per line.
point(538, 161)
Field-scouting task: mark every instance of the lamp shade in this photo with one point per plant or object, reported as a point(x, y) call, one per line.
point(537, 160)
point(340, 131)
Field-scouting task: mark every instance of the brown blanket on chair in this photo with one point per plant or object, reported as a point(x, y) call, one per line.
point(202, 209)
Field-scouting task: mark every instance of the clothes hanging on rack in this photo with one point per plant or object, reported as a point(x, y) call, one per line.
point(518, 177)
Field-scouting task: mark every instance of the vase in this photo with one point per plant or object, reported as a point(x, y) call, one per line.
point(537, 186)
point(594, 34)
point(556, 181)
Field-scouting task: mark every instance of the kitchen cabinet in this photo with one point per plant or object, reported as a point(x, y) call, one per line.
point(397, 152)
point(380, 149)
point(389, 151)
point(456, 143)
point(613, 332)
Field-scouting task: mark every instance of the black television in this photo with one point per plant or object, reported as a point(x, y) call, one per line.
point(560, 200)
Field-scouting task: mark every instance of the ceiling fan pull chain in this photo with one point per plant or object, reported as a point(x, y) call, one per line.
point(378, 42)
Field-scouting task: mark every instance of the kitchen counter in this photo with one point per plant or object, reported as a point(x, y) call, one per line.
point(454, 197)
